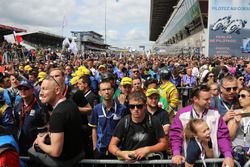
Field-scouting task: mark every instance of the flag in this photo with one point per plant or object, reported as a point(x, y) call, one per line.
point(73, 47)
point(66, 43)
point(18, 38)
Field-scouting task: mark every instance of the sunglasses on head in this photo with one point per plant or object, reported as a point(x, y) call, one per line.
point(49, 77)
point(138, 106)
point(243, 96)
point(228, 89)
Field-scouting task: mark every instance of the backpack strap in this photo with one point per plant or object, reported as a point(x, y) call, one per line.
point(3, 109)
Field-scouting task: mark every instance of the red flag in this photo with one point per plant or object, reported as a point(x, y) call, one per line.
point(19, 39)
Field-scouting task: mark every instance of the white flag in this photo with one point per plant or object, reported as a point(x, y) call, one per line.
point(66, 43)
point(73, 47)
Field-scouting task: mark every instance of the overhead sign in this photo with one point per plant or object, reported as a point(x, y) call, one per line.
point(229, 28)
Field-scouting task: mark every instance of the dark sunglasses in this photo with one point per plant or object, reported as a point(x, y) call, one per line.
point(243, 96)
point(241, 79)
point(230, 88)
point(23, 88)
point(138, 106)
point(211, 76)
point(135, 71)
point(49, 77)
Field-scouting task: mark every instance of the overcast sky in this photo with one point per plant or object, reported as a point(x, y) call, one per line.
point(127, 20)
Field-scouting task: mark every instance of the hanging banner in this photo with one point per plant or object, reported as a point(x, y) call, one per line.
point(229, 28)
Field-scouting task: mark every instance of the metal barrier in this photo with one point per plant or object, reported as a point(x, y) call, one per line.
point(163, 163)
point(186, 91)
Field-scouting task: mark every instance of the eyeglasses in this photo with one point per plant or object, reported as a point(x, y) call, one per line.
point(243, 96)
point(138, 106)
point(23, 88)
point(228, 89)
point(48, 77)
point(135, 71)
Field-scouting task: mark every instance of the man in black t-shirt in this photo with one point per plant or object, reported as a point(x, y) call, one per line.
point(64, 128)
point(138, 134)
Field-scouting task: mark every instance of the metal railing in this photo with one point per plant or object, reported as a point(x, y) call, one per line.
point(153, 163)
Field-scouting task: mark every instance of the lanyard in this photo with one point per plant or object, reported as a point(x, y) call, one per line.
point(202, 156)
point(65, 90)
point(245, 130)
point(224, 104)
point(194, 114)
point(25, 110)
point(104, 112)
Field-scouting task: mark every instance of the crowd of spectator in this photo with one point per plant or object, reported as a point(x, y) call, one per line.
point(58, 108)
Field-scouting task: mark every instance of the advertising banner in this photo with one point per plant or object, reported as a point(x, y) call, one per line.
point(229, 28)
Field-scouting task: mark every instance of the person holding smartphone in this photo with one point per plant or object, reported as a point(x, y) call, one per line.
point(138, 134)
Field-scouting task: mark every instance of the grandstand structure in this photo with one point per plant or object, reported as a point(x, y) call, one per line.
point(42, 39)
point(89, 40)
point(7, 30)
point(179, 26)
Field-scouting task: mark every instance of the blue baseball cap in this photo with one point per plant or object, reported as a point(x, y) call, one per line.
point(25, 83)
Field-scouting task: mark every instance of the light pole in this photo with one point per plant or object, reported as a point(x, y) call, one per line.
point(105, 20)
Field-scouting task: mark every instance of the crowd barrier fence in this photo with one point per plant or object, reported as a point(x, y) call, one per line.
point(153, 163)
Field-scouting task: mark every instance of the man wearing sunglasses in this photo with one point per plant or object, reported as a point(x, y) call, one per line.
point(29, 116)
point(227, 99)
point(138, 134)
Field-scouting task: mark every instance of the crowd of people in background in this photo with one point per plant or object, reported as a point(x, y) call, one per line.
point(59, 108)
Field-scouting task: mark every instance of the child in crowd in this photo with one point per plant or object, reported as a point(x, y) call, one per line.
point(199, 145)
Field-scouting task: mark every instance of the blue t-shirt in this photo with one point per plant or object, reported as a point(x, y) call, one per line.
point(105, 123)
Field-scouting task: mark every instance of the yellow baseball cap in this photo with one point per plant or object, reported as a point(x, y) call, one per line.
point(126, 81)
point(151, 91)
point(27, 68)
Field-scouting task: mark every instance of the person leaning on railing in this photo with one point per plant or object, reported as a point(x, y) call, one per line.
point(200, 109)
point(239, 127)
point(138, 133)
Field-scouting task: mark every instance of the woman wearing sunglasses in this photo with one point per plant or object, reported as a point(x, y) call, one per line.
point(240, 80)
point(239, 127)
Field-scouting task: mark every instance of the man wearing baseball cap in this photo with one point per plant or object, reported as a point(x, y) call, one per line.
point(153, 97)
point(29, 116)
point(126, 88)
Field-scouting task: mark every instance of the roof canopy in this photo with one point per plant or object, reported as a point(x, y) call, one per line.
point(6, 30)
point(160, 12)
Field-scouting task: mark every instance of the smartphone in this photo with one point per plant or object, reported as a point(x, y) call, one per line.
point(132, 156)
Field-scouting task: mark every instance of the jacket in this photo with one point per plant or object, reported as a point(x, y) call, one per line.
point(169, 91)
point(219, 131)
